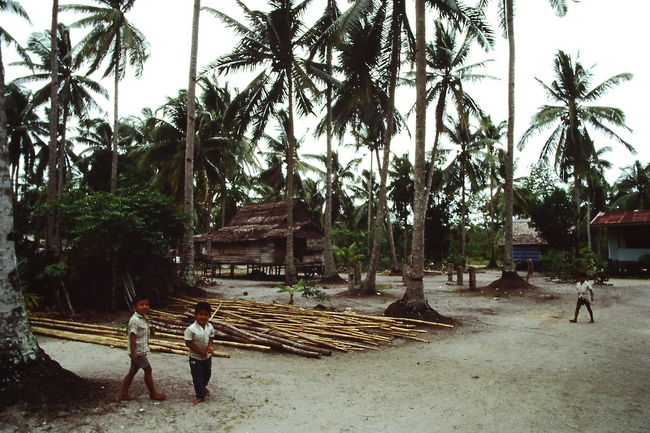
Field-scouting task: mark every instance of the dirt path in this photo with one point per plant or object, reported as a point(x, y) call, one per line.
point(516, 365)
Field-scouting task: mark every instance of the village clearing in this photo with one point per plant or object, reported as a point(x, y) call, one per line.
point(515, 365)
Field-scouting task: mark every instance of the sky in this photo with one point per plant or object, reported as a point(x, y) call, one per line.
point(611, 39)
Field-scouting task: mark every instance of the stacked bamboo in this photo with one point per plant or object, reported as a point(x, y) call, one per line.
point(105, 335)
point(255, 325)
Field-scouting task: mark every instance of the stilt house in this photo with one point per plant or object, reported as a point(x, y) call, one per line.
point(257, 236)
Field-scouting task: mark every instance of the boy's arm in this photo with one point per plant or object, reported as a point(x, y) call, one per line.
point(133, 354)
point(210, 349)
point(591, 292)
point(196, 348)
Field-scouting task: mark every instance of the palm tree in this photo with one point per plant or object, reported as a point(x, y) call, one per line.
point(74, 92)
point(23, 125)
point(571, 117)
point(114, 39)
point(51, 236)
point(597, 186)
point(273, 42)
point(491, 135)
point(401, 193)
point(467, 165)
point(325, 42)
point(448, 75)
point(413, 302)
point(507, 24)
point(21, 353)
point(632, 189)
point(340, 174)
point(187, 245)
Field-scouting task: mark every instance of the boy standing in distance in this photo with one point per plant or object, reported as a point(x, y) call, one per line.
point(138, 347)
point(585, 296)
point(199, 337)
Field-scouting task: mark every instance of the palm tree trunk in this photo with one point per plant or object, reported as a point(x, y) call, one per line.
point(414, 295)
point(508, 265)
point(290, 268)
point(187, 275)
point(329, 270)
point(18, 343)
point(394, 263)
point(116, 117)
point(223, 204)
point(588, 221)
point(371, 177)
point(463, 233)
point(576, 196)
point(50, 237)
point(493, 255)
point(440, 110)
point(369, 282)
point(62, 176)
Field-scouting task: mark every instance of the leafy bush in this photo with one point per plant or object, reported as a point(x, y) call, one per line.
point(563, 266)
point(307, 290)
point(127, 234)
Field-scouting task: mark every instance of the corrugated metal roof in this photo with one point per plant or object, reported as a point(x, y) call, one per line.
point(622, 217)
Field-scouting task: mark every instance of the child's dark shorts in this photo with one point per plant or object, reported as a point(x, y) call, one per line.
point(583, 301)
point(142, 362)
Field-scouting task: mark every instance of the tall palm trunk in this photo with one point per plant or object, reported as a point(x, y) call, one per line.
point(371, 178)
point(440, 110)
point(576, 197)
point(62, 176)
point(508, 265)
point(50, 237)
point(394, 263)
point(493, 255)
point(187, 276)
point(290, 267)
point(223, 204)
point(116, 116)
point(414, 295)
point(18, 343)
point(463, 216)
point(369, 282)
point(329, 270)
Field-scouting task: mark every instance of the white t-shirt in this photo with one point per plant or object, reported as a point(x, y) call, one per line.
point(200, 337)
point(139, 326)
point(584, 290)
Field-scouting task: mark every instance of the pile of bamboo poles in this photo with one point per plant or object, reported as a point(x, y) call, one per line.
point(254, 325)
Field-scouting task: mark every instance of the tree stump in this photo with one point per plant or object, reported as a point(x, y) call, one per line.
point(459, 275)
point(472, 277)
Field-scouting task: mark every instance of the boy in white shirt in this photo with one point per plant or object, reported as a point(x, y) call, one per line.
point(199, 337)
point(585, 296)
point(138, 347)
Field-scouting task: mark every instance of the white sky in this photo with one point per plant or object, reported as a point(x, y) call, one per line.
point(611, 38)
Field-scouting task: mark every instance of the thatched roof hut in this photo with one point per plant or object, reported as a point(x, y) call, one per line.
point(526, 241)
point(257, 233)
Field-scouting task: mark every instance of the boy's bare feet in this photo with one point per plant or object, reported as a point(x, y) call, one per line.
point(592, 321)
point(128, 397)
point(198, 400)
point(207, 392)
point(157, 396)
point(573, 320)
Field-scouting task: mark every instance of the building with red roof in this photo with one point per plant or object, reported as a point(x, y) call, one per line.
point(628, 234)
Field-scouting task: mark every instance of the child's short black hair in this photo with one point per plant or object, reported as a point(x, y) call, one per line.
point(138, 298)
point(202, 306)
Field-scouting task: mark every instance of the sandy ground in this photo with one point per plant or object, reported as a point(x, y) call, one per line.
point(515, 365)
